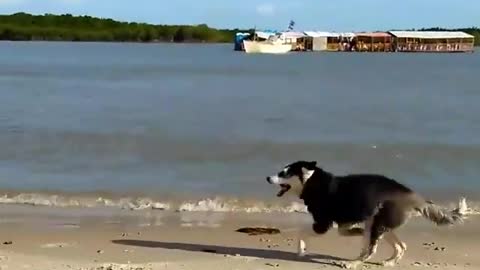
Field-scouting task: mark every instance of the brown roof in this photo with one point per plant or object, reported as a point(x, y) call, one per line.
point(373, 34)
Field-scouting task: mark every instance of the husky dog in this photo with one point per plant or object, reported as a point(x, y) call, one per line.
point(380, 203)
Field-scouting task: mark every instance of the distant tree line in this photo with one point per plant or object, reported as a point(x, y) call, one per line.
point(23, 26)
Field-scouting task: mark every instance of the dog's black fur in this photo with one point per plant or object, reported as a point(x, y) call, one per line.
point(383, 204)
point(352, 199)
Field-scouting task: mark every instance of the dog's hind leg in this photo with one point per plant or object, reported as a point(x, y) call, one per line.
point(373, 232)
point(399, 248)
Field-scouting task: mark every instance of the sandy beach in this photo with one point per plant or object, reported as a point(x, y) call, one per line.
point(73, 238)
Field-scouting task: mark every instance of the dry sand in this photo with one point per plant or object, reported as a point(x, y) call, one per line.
point(52, 238)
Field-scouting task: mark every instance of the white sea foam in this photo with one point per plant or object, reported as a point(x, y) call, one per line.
point(216, 204)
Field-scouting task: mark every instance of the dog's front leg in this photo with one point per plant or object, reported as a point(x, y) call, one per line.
point(304, 236)
point(318, 228)
point(302, 239)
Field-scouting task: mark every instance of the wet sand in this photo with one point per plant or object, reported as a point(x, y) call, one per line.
point(103, 238)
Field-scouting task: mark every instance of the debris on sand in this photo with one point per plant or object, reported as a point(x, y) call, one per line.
point(122, 267)
point(433, 246)
point(53, 245)
point(258, 230)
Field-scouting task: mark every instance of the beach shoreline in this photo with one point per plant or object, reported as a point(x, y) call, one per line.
point(74, 238)
point(199, 201)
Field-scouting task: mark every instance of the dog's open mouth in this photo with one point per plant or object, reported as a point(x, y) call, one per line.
point(284, 189)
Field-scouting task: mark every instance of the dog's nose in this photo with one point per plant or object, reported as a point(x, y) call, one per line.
point(269, 180)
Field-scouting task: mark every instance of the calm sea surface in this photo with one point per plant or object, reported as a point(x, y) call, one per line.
point(205, 120)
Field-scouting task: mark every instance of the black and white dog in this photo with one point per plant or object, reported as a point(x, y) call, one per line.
point(380, 203)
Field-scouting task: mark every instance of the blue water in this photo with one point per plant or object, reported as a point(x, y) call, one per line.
point(206, 120)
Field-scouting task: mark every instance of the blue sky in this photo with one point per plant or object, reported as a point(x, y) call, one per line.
point(337, 15)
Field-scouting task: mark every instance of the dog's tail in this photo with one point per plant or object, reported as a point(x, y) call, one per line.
point(440, 216)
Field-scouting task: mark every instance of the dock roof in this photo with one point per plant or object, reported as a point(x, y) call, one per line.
point(430, 34)
point(373, 34)
point(321, 34)
point(328, 34)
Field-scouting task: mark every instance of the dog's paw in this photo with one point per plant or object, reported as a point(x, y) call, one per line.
point(350, 264)
point(302, 248)
point(302, 254)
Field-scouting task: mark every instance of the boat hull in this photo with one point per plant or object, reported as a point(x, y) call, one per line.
point(266, 47)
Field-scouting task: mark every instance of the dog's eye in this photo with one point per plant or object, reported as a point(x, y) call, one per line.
point(281, 174)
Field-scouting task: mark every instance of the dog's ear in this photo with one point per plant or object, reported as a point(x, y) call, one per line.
point(312, 165)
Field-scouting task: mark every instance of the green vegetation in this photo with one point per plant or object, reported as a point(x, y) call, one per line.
point(23, 26)
point(474, 31)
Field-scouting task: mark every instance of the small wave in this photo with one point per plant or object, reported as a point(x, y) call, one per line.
point(130, 203)
point(216, 204)
point(38, 199)
point(220, 205)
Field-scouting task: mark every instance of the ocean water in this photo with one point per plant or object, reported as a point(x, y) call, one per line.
point(173, 123)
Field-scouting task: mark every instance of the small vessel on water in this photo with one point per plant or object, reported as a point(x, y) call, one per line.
point(274, 44)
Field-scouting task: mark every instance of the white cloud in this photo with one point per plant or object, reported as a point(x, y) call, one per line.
point(21, 2)
point(266, 9)
point(11, 2)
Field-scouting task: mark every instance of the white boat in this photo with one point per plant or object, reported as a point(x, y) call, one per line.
point(275, 44)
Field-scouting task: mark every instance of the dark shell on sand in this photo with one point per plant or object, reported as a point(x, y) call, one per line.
point(258, 230)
